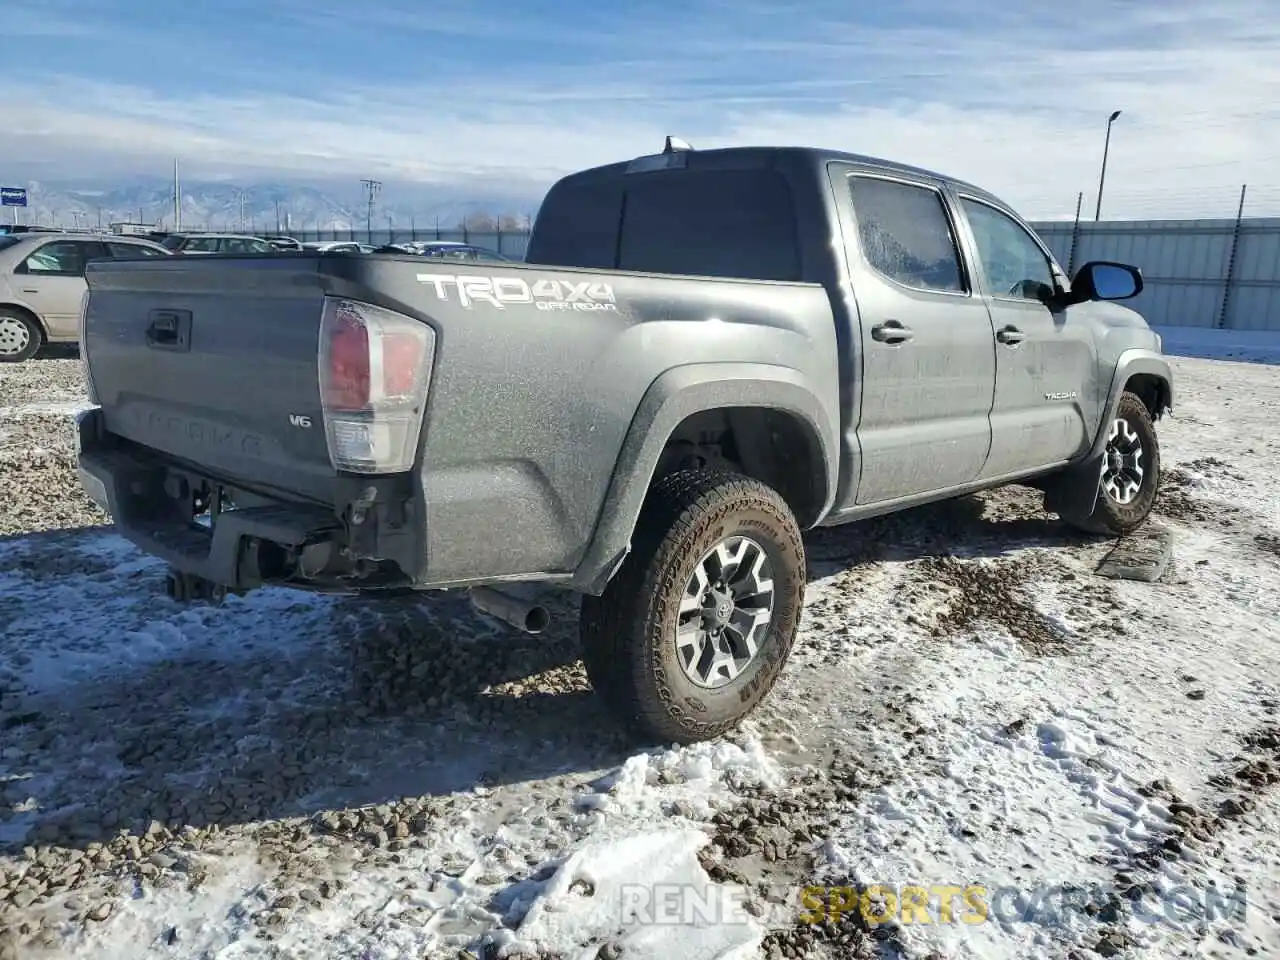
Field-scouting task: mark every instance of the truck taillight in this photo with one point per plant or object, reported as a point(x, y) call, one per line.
point(375, 366)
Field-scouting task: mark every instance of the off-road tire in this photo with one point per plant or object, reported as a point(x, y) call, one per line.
point(628, 633)
point(35, 336)
point(1110, 518)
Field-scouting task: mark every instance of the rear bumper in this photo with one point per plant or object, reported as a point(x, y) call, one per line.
point(243, 548)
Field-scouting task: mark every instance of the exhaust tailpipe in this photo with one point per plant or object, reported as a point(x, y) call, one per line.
point(512, 604)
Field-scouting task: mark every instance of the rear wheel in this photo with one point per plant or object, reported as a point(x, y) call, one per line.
point(1130, 473)
point(20, 336)
point(694, 630)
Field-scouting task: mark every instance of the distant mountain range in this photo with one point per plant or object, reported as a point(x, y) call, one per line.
point(259, 207)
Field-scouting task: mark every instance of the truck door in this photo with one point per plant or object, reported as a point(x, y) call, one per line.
point(1046, 391)
point(928, 364)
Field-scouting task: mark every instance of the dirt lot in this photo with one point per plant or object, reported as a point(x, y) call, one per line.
point(293, 776)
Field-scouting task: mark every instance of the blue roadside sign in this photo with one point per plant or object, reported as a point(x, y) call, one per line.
point(13, 196)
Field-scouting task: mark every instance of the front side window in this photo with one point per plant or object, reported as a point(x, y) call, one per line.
point(201, 245)
point(906, 234)
point(64, 258)
point(1013, 265)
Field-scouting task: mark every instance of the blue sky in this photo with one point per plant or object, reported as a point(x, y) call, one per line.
point(449, 93)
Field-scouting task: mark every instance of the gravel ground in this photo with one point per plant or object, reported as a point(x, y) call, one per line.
point(38, 485)
point(285, 775)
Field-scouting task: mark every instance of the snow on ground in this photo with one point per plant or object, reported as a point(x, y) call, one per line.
point(971, 718)
point(1257, 346)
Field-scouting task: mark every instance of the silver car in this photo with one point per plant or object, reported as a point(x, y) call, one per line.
point(205, 243)
point(42, 284)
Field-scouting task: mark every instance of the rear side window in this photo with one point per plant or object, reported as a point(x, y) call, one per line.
point(715, 223)
point(201, 245)
point(128, 251)
point(906, 234)
point(578, 226)
point(66, 258)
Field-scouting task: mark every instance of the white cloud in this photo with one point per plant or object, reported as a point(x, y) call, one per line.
point(1018, 104)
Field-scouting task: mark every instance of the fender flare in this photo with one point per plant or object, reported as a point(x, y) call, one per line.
point(1075, 490)
point(1131, 363)
point(672, 397)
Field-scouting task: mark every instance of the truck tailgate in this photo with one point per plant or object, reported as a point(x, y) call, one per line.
point(213, 360)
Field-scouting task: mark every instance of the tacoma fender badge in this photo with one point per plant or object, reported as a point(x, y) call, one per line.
point(1061, 396)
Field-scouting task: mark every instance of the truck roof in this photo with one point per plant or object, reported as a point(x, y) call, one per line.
point(765, 156)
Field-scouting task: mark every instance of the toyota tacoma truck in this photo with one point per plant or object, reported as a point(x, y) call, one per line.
point(706, 353)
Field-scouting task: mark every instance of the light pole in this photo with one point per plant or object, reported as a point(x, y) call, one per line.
point(1106, 147)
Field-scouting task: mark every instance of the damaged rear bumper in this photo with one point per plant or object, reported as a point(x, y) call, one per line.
point(256, 541)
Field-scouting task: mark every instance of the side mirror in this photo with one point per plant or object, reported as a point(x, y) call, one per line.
point(1105, 280)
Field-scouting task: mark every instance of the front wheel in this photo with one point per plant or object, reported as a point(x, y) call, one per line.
point(1129, 476)
point(695, 628)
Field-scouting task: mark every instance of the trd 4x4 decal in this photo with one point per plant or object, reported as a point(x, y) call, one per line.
point(545, 294)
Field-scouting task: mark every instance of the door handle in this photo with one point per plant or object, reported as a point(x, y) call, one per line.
point(1011, 336)
point(169, 330)
point(29, 290)
point(891, 331)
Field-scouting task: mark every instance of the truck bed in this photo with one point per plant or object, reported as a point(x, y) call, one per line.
point(210, 368)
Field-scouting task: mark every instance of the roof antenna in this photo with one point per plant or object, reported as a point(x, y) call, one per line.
point(674, 144)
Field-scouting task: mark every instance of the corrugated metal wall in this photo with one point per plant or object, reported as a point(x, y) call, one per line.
point(1186, 265)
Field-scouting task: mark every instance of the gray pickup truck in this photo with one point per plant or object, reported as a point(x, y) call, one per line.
point(705, 354)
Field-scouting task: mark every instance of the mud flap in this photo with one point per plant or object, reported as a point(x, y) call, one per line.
point(1074, 492)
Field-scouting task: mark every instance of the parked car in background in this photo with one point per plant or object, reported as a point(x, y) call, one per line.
point(42, 284)
point(27, 228)
point(452, 250)
point(445, 250)
point(285, 243)
point(332, 246)
point(215, 243)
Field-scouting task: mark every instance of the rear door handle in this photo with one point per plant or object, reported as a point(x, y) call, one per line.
point(891, 331)
point(1011, 336)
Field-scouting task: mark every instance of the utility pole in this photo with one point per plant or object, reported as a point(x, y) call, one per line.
point(277, 217)
point(1075, 235)
point(1106, 147)
point(371, 189)
point(177, 199)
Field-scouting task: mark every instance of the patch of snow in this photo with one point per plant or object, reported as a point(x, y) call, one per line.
point(1256, 346)
point(71, 628)
point(647, 894)
point(46, 408)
